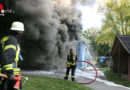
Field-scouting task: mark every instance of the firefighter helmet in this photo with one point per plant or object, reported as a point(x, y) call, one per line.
point(17, 26)
point(71, 50)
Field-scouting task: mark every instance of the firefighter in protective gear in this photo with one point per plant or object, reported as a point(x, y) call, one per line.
point(71, 65)
point(10, 55)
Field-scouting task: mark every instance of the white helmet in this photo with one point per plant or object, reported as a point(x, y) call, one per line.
point(17, 26)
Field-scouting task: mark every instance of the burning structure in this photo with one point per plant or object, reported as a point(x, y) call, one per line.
point(52, 28)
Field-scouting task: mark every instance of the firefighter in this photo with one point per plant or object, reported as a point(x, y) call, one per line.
point(71, 65)
point(10, 55)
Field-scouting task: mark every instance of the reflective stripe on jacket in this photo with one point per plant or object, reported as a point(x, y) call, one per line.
point(71, 59)
point(10, 52)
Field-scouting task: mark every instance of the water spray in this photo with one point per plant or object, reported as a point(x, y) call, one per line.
point(25, 79)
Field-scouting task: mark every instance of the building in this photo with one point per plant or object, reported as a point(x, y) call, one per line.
point(121, 56)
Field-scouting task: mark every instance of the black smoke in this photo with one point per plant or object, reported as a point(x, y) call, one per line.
point(52, 27)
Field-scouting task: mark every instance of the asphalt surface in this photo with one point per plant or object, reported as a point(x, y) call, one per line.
point(101, 86)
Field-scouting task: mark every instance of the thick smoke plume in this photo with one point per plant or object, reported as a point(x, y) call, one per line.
point(52, 28)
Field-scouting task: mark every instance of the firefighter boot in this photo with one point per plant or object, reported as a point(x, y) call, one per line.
point(66, 77)
point(73, 78)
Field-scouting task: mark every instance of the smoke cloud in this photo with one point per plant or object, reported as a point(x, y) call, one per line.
point(52, 28)
point(87, 2)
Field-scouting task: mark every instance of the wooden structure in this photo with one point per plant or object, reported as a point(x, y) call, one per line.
point(121, 56)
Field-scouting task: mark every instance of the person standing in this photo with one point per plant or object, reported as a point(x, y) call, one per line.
point(71, 65)
point(10, 50)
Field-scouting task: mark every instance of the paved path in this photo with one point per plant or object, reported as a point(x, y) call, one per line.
point(102, 86)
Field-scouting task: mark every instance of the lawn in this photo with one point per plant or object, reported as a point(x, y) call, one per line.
point(46, 83)
point(115, 77)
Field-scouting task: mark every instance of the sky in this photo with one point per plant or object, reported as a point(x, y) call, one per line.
point(90, 16)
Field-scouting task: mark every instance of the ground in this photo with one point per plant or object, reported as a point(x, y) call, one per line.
point(83, 76)
point(101, 86)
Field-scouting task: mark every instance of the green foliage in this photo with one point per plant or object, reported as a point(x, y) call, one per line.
point(46, 83)
point(115, 77)
point(93, 37)
point(102, 49)
point(105, 69)
point(116, 21)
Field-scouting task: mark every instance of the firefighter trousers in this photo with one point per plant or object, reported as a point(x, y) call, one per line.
point(72, 68)
point(9, 85)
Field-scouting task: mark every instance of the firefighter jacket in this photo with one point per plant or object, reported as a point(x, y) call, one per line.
point(71, 59)
point(10, 54)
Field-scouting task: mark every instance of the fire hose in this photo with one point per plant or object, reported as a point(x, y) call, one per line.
point(17, 79)
point(94, 70)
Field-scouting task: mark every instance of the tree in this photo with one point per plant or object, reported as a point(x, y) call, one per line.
point(116, 21)
point(99, 48)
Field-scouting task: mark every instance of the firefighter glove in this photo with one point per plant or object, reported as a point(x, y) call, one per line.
point(10, 75)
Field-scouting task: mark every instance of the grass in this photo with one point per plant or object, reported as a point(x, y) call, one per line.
point(46, 83)
point(115, 77)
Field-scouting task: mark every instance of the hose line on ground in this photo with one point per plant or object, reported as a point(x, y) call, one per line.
point(94, 70)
